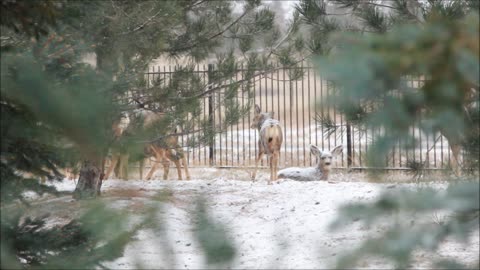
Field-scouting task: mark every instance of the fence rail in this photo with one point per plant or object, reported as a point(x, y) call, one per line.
point(296, 105)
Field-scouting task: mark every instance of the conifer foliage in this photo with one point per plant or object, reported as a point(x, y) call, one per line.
point(57, 110)
point(391, 40)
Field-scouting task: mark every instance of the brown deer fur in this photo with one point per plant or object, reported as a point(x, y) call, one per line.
point(163, 151)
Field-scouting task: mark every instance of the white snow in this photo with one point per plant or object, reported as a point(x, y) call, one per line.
point(284, 225)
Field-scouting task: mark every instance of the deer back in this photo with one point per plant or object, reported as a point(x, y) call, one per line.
point(271, 135)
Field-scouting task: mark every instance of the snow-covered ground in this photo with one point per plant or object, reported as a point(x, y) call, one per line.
point(283, 225)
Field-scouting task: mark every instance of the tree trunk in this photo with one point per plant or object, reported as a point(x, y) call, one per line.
point(89, 181)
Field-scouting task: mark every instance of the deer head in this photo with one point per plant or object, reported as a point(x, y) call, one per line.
point(121, 124)
point(325, 157)
point(259, 117)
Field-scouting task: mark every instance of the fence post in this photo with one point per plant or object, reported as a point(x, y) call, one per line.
point(349, 144)
point(211, 147)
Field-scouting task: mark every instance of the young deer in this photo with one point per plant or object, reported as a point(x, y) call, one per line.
point(163, 151)
point(320, 172)
point(270, 141)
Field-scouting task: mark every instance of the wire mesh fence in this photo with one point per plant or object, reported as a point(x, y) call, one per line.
point(296, 104)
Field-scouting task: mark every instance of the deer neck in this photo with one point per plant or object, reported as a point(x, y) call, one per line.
point(260, 123)
point(324, 171)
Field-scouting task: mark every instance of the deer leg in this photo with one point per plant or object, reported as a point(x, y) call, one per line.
point(152, 170)
point(166, 167)
point(254, 174)
point(140, 167)
point(74, 170)
point(113, 163)
point(275, 157)
point(158, 158)
point(185, 167)
point(126, 162)
point(123, 167)
point(183, 161)
point(72, 174)
point(270, 164)
point(119, 169)
point(173, 156)
point(179, 169)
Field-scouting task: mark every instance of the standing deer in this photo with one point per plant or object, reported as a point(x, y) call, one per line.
point(320, 172)
point(270, 141)
point(163, 150)
point(118, 128)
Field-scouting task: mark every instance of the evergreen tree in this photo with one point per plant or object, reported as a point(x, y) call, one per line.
point(57, 110)
point(49, 101)
point(368, 70)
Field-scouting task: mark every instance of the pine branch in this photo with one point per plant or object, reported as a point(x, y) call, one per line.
point(380, 5)
point(197, 3)
point(195, 44)
point(142, 25)
point(213, 89)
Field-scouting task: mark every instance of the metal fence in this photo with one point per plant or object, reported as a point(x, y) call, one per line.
point(295, 104)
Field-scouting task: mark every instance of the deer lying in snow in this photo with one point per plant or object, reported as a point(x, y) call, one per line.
point(270, 141)
point(320, 172)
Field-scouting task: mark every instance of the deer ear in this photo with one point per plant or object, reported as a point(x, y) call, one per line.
point(315, 151)
point(257, 109)
point(337, 150)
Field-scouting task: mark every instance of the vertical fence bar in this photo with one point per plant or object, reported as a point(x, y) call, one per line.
point(334, 118)
point(243, 118)
point(303, 117)
point(322, 110)
point(296, 121)
point(399, 145)
point(349, 144)
point(219, 108)
point(284, 118)
point(267, 109)
point(249, 143)
point(309, 113)
point(265, 77)
point(205, 110)
point(290, 86)
point(238, 131)
point(359, 145)
point(273, 96)
point(441, 152)
point(211, 148)
point(315, 106)
point(278, 107)
point(255, 131)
